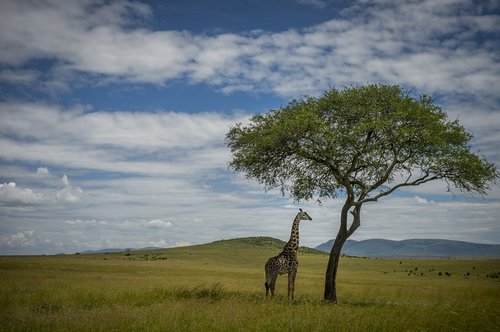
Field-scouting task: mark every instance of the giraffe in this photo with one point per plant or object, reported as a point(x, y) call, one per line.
point(286, 261)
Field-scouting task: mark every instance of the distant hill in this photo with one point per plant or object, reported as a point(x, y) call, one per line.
point(256, 241)
point(264, 241)
point(102, 251)
point(414, 248)
point(259, 241)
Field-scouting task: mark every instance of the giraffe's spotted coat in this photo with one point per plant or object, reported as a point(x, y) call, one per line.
point(286, 261)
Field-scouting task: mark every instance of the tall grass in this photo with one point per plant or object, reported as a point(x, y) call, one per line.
point(220, 288)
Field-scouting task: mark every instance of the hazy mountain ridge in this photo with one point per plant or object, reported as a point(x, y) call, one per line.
point(415, 248)
point(109, 250)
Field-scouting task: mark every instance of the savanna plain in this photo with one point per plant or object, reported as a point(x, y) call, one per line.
point(220, 287)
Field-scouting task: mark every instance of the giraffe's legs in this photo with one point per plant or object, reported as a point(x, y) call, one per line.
point(273, 284)
point(291, 283)
point(271, 277)
point(268, 277)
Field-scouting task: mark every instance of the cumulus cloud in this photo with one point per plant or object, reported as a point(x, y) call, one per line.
point(21, 239)
point(157, 224)
point(69, 193)
point(12, 195)
point(42, 171)
point(421, 200)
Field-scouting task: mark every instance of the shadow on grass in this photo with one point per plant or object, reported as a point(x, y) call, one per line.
point(216, 292)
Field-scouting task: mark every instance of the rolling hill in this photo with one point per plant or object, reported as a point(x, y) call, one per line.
point(262, 242)
point(414, 248)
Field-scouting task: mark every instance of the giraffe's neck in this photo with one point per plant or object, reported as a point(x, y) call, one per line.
point(293, 244)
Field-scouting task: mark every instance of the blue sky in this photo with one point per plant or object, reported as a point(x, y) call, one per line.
point(113, 114)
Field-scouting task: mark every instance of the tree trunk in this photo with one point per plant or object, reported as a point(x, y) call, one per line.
point(330, 294)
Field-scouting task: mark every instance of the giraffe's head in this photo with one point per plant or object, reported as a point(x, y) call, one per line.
point(303, 215)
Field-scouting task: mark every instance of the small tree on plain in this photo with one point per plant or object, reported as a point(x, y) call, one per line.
point(361, 144)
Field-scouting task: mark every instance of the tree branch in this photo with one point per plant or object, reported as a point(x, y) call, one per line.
point(355, 159)
point(356, 222)
point(416, 182)
point(386, 175)
point(335, 171)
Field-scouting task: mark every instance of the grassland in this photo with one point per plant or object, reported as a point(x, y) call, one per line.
point(219, 287)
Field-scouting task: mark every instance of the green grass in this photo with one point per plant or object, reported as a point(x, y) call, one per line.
point(220, 287)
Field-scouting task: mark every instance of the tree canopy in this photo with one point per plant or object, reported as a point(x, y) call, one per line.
point(364, 142)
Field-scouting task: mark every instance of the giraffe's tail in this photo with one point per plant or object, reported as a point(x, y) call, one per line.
point(267, 279)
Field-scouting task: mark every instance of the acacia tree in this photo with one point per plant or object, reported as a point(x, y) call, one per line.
point(360, 144)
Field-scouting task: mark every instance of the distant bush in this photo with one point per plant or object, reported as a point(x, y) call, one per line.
point(147, 257)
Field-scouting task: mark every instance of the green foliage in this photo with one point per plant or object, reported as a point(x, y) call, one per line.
point(365, 141)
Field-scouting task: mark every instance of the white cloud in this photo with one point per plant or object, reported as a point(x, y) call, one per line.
point(315, 3)
point(145, 143)
point(85, 222)
point(421, 200)
point(157, 224)
point(182, 244)
point(21, 239)
point(19, 77)
point(12, 195)
point(426, 44)
point(69, 193)
point(160, 243)
point(42, 171)
point(50, 27)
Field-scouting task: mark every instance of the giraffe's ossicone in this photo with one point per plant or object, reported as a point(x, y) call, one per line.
point(286, 261)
